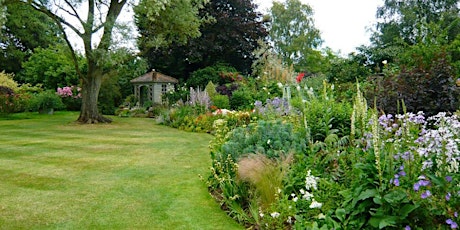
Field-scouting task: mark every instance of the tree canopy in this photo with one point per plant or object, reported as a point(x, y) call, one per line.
point(229, 36)
point(415, 21)
point(23, 31)
point(294, 35)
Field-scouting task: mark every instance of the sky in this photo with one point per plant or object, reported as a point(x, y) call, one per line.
point(343, 24)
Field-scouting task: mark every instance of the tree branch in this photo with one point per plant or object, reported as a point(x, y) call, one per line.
point(55, 17)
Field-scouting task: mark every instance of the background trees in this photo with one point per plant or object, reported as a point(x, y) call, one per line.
point(23, 31)
point(229, 37)
point(294, 35)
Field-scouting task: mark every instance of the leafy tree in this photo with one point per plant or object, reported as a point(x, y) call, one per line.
point(94, 29)
point(415, 21)
point(23, 31)
point(52, 67)
point(294, 35)
point(230, 37)
point(124, 66)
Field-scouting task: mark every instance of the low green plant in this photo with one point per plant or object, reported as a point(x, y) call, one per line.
point(242, 99)
point(265, 175)
point(46, 100)
point(220, 101)
point(271, 138)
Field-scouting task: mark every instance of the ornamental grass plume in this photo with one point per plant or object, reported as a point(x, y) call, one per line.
point(265, 175)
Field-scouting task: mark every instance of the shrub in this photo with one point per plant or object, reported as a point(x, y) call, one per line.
point(71, 97)
point(211, 89)
point(322, 113)
point(429, 88)
point(7, 100)
point(109, 95)
point(46, 100)
point(273, 139)
point(221, 101)
point(241, 99)
point(227, 89)
point(219, 74)
point(7, 81)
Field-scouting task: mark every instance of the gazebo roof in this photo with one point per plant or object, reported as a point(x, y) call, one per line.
point(154, 77)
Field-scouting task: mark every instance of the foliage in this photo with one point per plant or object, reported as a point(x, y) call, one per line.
point(230, 37)
point(429, 87)
point(265, 144)
point(46, 100)
point(24, 31)
point(109, 95)
point(52, 67)
point(211, 89)
point(7, 100)
point(219, 74)
point(220, 101)
point(273, 139)
point(8, 81)
point(323, 115)
point(393, 171)
point(294, 35)
point(411, 21)
point(241, 99)
point(351, 69)
point(124, 65)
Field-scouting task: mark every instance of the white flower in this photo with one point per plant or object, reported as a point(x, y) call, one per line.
point(307, 196)
point(295, 199)
point(275, 214)
point(321, 216)
point(310, 181)
point(315, 204)
point(302, 191)
point(384, 62)
point(261, 214)
point(289, 220)
point(268, 142)
point(280, 84)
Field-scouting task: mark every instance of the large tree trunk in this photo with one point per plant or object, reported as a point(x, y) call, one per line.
point(89, 113)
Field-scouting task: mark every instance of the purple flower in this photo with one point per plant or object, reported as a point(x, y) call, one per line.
point(416, 186)
point(407, 227)
point(424, 183)
point(396, 182)
point(455, 214)
point(448, 196)
point(452, 224)
point(448, 178)
point(425, 194)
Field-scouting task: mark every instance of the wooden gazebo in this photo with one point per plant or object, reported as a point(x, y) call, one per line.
point(152, 85)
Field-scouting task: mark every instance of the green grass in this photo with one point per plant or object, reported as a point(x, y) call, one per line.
point(131, 174)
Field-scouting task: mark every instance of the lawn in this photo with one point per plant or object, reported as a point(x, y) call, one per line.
point(131, 174)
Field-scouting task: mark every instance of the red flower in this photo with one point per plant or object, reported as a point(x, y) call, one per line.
point(300, 77)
